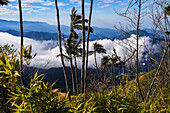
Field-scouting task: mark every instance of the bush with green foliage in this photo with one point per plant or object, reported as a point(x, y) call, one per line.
point(37, 98)
point(104, 102)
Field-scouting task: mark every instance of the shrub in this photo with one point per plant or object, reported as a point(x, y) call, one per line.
point(38, 98)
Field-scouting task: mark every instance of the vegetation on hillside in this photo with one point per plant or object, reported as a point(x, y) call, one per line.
point(40, 97)
point(131, 91)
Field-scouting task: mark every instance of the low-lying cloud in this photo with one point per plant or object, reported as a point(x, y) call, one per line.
point(48, 50)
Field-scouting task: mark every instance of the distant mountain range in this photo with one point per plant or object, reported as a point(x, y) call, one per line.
point(44, 31)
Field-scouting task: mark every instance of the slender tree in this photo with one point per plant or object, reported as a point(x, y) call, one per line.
point(72, 51)
point(74, 42)
point(21, 34)
point(135, 22)
point(72, 73)
point(60, 47)
point(78, 53)
point(158, 20)
point(69, 51)
point(83, 50)
point(109, 62)
point(113, 60)
point(137, 48)
point(167, 13)
point(98, 48)
point(87, 46)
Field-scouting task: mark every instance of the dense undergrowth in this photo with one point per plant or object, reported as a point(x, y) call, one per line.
point(39, 97)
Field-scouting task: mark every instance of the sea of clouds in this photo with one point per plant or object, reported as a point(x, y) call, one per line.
point(48, 50)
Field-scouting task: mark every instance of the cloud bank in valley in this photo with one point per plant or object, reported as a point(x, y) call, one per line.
point(47, 50)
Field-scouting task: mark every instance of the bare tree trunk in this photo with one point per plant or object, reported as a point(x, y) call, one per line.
point(87, 49)
point(96, 67)
point(83, 51)
point(168, 61)
point(60, 47)
point(168, 33)
point(137, 48)
point(101, 73)
point(21, 33)
point(72, 75)
point(112, 74)
point(114, 77)
point(76, 74)
point(157, 71)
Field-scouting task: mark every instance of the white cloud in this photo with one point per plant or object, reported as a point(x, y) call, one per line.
point(35, 7)
point(121, 4)
point(47, 50)
point(107, 1)
point(43, 49)
point(79, 2)
point(48, 3)
point(65, 12)
point(5, 11)
point(105, 5)
point(12, 0)
point(86, 3)
point(74, 0)
point(62, 4)
point(33, 1)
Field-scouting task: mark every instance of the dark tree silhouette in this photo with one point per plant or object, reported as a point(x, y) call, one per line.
point(98, 48)
point(4, 2)
point(87, 48)
point(68, 45)
point(72, 45)
point(22, 45)
point(137, 48)
point(60, 47)
point(167, 10)
point(83, 50)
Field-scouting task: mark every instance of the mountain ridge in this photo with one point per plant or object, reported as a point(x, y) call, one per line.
point(30, 26)
point(44, 31)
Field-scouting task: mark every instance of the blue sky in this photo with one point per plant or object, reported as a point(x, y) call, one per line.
point(44, 11)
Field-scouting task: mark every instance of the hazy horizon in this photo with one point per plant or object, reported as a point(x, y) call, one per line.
point(103, 15)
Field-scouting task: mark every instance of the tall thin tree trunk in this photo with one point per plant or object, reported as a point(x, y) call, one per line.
point(72, 75)
point(157, 71)
point(137, 59)
point(101, 73)
point(168, 61)
point(87, 48)
point(114, 77)
point(21, 33)
point(76, 74)
point(167, 33)
point(112, 74)
point(60, 47)
point(83, 51)
point(96, 66)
